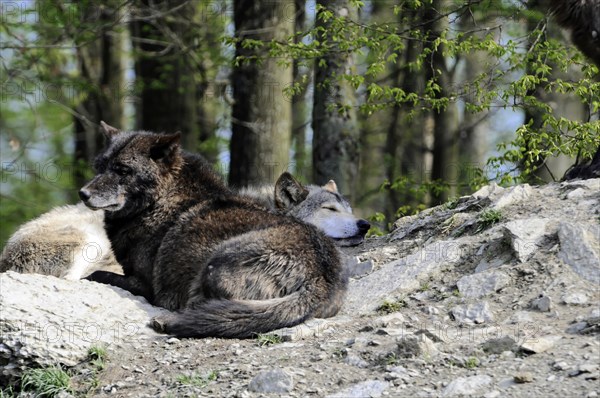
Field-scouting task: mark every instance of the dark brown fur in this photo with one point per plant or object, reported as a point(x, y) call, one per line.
point(189, 244)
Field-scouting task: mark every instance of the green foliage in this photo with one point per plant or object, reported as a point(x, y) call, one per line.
point(267, 339)
point(471, 363)
point(195, 380)
point(47, 382)
point(487, 218)
point(389, 306)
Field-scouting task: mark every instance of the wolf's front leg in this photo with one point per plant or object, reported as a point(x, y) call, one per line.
point(131, 283)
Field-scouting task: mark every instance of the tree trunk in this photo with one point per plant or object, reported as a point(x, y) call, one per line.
point(100, 65)
point(445, 128)
point(261, 115)
point(335, 141)
point(299, 104)
point(162, 38)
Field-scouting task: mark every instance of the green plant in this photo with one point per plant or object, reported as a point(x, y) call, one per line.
point(487, 218)
point(197, 380)
point(390, 306)
point(471, 363)
point(47, 382)
point(266, 339)
point(97, 357)
point(425, 286)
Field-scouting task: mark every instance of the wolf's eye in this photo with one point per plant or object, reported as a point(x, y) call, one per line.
point(121, 170)
point(330, 208)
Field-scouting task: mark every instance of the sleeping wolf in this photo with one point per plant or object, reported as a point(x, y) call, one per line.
point(189, 244)
point(68, 242)
point(323, 207)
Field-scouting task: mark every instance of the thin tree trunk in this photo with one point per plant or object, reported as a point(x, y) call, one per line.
point(445, 161)
point(165, 71)
point(299, 104)
point(100, 64)
point(261, 115)
point(335, 141)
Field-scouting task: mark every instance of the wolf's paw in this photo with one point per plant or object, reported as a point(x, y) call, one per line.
point(159, 324)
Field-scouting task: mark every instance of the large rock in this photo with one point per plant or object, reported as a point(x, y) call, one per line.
point(404, 274)
point(580, 249)
point(46, 321)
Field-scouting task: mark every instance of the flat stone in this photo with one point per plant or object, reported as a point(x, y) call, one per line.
point(481, 284)
point(369, 388)
point(359, 269)
point(575, 298)
point(580, 249)
point(272, 381)
point(470, 385)
point(473, 313)
point(416, 346)
point(309, 329)
point(525, 236)
point(499, 345)
point(535, 345)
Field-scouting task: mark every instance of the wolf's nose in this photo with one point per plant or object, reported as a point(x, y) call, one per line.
point(84, 194)
point(363, 226)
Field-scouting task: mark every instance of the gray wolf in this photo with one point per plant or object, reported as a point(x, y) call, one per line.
point(189, 244)
point(67, 242)
point(322, 206)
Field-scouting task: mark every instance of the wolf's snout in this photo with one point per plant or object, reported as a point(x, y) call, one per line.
point(84, 194)
point(363, 226)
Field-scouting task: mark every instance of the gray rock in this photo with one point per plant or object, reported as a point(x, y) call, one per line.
point(473, 313)
point(499, 345)
point(416, 346)
point(359, 269)
point(525, 236)
point(575, 298)
point(272, 381)
point(355, 360)
point(404, 274)
point(482, 284)
point(512, 195)
point(523, 377)
point(467, 385)
point(535, 345)
point(580, 249)
point(369, 388)
point(542, 303)
point(308, 329)
point(45, 320)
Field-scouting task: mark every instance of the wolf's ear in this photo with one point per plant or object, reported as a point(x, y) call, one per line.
point(109, 131)
point(288, 191)
point(164, 146)
point(330, 186)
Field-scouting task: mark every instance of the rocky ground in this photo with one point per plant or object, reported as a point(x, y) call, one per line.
point(494, 295)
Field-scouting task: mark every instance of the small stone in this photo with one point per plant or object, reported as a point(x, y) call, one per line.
point(561, 365)
point(173, 340)
point(415, 346)
point(272, 381)
point(369, 388)
point(499, 345)
point(466, 385)
point(513, 195)
point(576, 194)
point(359, 269)
point(492, 394)
point(523, 377)
point(482, 284)
point(473, 313)
point(576, 327)
point(542, 303)
point(535, 345)
point(355, 360)
point(575, 298)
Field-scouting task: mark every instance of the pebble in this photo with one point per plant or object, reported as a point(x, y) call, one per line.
point(542, 303)
point(481, 284)
point(272, 381)
point(470, 385)
point(575, 298)
point(473, 313)
point(535, 345)
point(369, 388)
point(523, 377)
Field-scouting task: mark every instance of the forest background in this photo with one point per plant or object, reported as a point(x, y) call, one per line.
point(405, 104)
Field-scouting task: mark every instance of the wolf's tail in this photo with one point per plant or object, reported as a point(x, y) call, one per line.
point(238, 318)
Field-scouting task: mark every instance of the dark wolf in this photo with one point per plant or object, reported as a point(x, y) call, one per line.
point(227, 265)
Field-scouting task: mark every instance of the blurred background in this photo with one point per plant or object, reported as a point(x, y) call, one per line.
point(405, 104)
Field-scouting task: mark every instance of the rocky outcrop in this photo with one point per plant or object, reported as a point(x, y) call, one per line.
point(451, 303)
